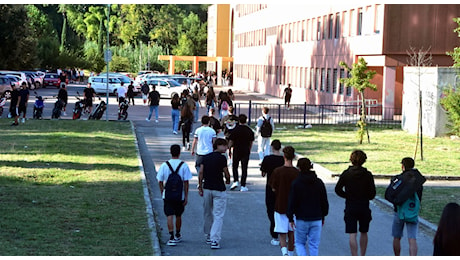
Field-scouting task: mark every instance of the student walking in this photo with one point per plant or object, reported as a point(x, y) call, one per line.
point(411, 188)
point(241, 139)
point(448, 233)
point(203, 141)
point(265, 127)
point(154, 102)
point(14, 105)
point(270, 163)
point(22, 109)
point(213, 121)
point(308, 203)
point(130, 93)
point(356, 185)
point(145, 92)
point(175, 112)
point(63, 96)
point(281, 181)
point(173, 179)
point(287, 93)
point(211, 186)
point(186, 121)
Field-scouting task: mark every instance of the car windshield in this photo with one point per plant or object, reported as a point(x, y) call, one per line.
point(174, 83)
point(51, 76)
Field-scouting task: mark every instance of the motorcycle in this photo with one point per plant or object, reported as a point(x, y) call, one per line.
point(58, 105)
point(38, 106)
point(97, 113)
point(80, 106)
point(2, 104)
point(123, 109)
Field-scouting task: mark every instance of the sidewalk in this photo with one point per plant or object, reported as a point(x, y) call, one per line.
point(246, 226)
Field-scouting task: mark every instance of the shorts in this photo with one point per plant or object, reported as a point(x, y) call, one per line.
point(354, 216)
point(14, 111)
point(89, 102)
point(282, 223)
point(173, 207)
point(22, 109)
point(198, 161)
point(398, 227)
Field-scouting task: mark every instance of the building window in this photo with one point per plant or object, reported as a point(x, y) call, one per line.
point(334, 81)
point(328, 80)
point(345, 24)
point(323, 79)
point(337, 26)
point(360, 22)
point(349, 88)
point(341, 86)
point(330, 25)
point(325, 24)
point(312, 78)
point(303, 30)
point(318, 30)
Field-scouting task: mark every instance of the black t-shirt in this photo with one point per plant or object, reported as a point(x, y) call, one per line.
point(213, 174)
point(14, 98)
point(214, 123)
point(63, 94)
point(24, 93)
point(89, 93)
point(242, 136)
point(154, 98)
point(271, 162)
point(130, 90)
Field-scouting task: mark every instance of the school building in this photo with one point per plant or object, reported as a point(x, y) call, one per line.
point(273, 45)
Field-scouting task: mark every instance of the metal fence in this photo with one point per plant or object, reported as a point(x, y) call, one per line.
point(306, 114)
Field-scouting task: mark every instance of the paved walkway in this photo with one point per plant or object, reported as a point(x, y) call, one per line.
point(245, 230)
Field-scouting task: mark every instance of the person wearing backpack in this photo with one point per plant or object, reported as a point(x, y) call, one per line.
point(411, 185)
point(265, 126)
point(173, 178)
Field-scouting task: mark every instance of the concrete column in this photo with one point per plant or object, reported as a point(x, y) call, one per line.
point(388, 92)
point(195, 66)
point(219, 71)
point(172, 63)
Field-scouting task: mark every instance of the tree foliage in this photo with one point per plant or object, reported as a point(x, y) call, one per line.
point(359, 79)
point(451, 103)
point(69, 35)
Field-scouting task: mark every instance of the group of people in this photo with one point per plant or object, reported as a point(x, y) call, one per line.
point(296, 199)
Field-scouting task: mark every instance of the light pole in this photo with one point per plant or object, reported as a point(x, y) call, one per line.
point(148, 54)
point(107, 61)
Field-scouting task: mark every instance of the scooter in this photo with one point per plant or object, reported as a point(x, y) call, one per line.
point(123, 109)
point(97, 113)
point(80, 106)
point(58, 105)
point(38, 106)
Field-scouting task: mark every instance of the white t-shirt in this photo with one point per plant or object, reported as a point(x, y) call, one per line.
point(205, 134)
point(164, 172)
point(121, 92)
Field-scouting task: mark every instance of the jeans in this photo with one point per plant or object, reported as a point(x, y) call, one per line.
point(307, 231)
point(244, 158)
point(214, 205)
point(263, 147)
point(175, 114)
point(151, 112)
point(197, 111)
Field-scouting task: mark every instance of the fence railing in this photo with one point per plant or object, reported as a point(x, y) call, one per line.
point(307, 114)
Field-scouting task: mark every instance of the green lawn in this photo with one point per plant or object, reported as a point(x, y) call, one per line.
point(71, 188)
point(330, 146)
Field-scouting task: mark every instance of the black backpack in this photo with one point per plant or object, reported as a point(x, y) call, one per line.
point(174, 184)
point(266, 128)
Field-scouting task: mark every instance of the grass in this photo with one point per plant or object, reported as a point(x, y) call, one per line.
point(71, 188)
point(330, 146)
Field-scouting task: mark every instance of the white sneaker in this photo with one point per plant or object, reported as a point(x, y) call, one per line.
point(23, 120)
point(148, 120)
point(188, 146)
point(243, 188)
point(234, 185)
point(184, 148)
point(65, 114)
point(156, 121)
point(174, 132)
point(275, 242)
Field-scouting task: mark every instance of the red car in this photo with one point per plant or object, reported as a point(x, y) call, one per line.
point(51, 79)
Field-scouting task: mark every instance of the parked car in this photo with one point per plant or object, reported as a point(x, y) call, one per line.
point(5, 87)
point(123, 78)
point(167, 87)
point(21, 75)
point(37, 80)
point(51, 79)
point(99, 84)
point(16, 80)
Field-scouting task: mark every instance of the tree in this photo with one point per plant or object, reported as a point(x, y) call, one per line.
point(456, 53)
point(419, 58)
point(360, 80)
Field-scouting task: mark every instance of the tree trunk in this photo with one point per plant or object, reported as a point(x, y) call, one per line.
point(63, 33)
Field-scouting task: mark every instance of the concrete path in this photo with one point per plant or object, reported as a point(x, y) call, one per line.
point(246, 226)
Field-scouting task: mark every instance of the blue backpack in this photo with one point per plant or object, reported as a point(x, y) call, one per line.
point(174, 185)
point(408, 211)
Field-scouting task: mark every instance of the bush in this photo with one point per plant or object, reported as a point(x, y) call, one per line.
point(451, 103)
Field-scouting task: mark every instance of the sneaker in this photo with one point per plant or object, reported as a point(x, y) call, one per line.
point(188, 146)
point(14, 124)
point(175, 132)
point(148, 120)
point(215, 245)
point(156, 121)
point(234, 185)
point(178, 239)
point(184, 148)
point(208, 239)
point(23, 120)
point(243, 188)
point(171, 242)
point(275, 242)
point(65, 114)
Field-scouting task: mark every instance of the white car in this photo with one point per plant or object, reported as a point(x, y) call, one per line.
point(21, 75)
point(99, 84)
point(167, 87)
